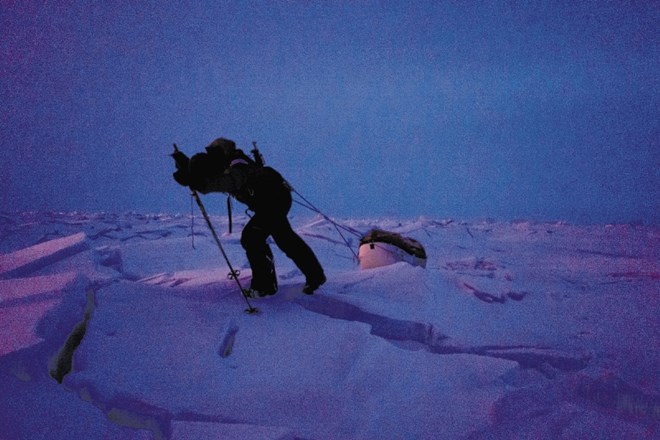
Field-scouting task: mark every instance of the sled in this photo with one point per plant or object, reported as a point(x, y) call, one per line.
point(381, 248)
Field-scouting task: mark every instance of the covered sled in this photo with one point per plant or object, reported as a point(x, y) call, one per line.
point(381, 248)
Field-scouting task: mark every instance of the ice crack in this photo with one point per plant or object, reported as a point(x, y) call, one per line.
point(382, 326)
point(546, 360)
point(60, 365)
point(227, 344)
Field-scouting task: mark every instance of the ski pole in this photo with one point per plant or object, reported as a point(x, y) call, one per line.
point(232, 273)
point(229, 213)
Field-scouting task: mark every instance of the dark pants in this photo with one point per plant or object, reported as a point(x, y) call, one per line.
point(271, 220)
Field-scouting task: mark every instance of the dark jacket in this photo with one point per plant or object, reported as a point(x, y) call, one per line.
point(260, 188)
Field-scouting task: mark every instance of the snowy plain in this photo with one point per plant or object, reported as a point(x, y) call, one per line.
point(115, 327)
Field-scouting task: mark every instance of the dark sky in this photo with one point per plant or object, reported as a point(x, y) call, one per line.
point(537, 110)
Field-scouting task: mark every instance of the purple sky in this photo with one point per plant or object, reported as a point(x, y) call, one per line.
point(449, 109)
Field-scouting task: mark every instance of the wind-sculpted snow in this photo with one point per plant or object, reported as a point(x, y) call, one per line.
point(514, 330)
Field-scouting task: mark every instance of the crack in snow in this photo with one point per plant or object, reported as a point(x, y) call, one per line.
point(228, 338)
point(131, 413)
point(545, 360)
point(387, 328)
point(61, 363)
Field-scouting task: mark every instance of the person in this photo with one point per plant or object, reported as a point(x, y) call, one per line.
point(225, 168)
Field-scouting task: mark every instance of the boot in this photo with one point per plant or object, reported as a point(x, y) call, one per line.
point(313, 283)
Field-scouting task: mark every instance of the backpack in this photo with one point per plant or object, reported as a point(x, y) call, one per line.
point(263, 187)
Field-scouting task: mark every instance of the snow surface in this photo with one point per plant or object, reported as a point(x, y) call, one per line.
point(514, 330)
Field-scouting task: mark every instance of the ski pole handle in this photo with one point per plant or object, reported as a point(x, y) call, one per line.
point(258, 158)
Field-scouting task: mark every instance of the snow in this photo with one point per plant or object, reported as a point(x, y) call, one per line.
point(202, 430)
point(24, 303)
point(28, 260)
point(513, 330)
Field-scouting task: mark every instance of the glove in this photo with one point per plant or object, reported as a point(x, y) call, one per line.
point(181, 175)
point(199, 169)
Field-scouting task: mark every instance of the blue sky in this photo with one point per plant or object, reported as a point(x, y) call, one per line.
point(538, 110)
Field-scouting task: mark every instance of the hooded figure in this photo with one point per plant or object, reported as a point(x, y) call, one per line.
point(224, 168)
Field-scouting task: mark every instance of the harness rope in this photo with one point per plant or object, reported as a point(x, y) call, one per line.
point(307, 204)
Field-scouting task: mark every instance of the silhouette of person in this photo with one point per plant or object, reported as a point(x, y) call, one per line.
point(225, 168)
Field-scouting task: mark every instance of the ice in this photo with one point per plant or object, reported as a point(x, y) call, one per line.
point(25, 302)
point(513, 330)
point(25, 261)
point(275, 374)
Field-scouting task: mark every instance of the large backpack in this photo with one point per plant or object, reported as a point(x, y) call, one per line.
point(263, 186)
